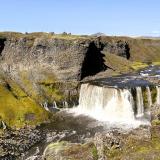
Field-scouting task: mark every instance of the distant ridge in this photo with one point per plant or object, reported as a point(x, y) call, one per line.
point(149, 37)
point(98, 34)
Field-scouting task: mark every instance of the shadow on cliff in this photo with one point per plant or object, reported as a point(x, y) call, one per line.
point(93, 61)
point(127, 50)
point(2, 44)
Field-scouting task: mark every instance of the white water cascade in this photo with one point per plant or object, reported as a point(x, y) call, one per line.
point(149, 97)
point(158, 95)
point(139, 100)
point(112, 105)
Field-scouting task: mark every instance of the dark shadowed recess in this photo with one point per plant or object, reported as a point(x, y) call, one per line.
point(127, 51)
point(2, 40)
point(93, 62)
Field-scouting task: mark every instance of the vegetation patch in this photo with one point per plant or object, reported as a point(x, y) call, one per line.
point(16, 106)
point(70, 151)
point(138, 65)
point(153, 93)
point(134, 149)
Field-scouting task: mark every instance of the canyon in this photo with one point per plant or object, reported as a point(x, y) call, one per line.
point(76, 91)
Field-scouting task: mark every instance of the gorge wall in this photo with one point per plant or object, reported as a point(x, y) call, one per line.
point(48, 68)
point(39, 63)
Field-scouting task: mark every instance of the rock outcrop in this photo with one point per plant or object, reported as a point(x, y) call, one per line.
point(48, 68)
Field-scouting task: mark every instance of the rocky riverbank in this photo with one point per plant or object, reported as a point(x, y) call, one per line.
point(14, 143)
point(66, 136)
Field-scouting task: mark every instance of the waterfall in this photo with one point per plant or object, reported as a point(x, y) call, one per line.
point(149, 97)
point(106, 104)
point(45, 105)
point(55, 104)
point(158, 95)
point(139, 100)
point(65, 104)
point(113, 105)
point(3, 125)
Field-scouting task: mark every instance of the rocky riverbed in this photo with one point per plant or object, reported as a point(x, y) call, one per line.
point(67, 136)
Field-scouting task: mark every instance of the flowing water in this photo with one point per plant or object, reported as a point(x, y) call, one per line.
point(139, 100)
point(158, 94)
point(114, 105)
point(149, 97)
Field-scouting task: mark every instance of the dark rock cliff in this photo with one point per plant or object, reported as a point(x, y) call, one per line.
point(67, 59)
point(38, 62)
point(49, 68)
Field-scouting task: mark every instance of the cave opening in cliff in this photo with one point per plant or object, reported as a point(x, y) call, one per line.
point(2, 44)
point(93, 62)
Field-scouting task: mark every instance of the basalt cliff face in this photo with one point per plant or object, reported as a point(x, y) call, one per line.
point(47, 68)
point(65, 58)
point(36, 63)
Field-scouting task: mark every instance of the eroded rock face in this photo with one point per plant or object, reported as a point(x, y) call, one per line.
point(120, 48)
point(67, 59)
point(49, 69)
point(2, 40)
point(58, 56)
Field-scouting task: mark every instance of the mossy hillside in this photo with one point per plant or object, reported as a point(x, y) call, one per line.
point(52, 92)
point(122, 65)
point(141, 49)
point(28, 84)
point(60, 92)
point(45, 87)
point(156, 63)
point(144, 50)
point(45, 35)
point(31, 82)
point(117, 63)
point(138, 65)
point(18, 109)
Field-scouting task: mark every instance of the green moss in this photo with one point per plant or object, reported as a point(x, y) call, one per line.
point(111, 154)
point(117, 63)
point(32, 36)
point(156, 122)
point(52, 92)
point(15, 105)
point(95, 153)
point(138, 65)
point(156, 63)
point(122, 65)
point(29, 86)
point(145, 98)
point(153, 93)
point(138, 149)
point(13, 35)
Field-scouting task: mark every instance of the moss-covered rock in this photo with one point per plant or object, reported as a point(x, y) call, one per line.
point(153, 93)
point(16, 106)
point(138, 149)
point(70, 151)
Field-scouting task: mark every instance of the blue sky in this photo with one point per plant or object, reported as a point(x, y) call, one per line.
point(112, 17)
